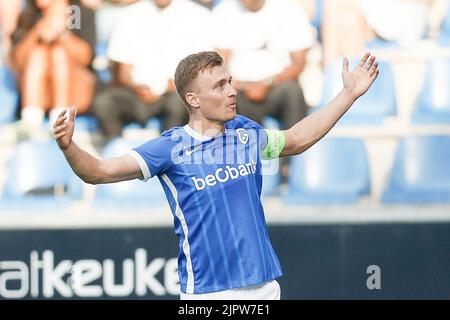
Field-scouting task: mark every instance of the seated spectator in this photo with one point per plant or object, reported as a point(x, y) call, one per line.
point(146, 46)
point(265, 44)
point(52, 56)
point(107, 15)
point(310, 7)
point(9, 15)
point(349, 25)
point(208, 3)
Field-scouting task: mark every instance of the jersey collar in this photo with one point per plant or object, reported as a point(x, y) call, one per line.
point(194, 134)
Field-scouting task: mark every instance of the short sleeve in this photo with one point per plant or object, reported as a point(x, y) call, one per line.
point(153, 157)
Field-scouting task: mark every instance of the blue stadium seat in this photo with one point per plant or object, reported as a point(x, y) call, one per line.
point(271, 123)
point(39, 177)
point(86, 123)
point(83, 123)
point(444, 36)
point(101, 62)
point(421, 171)
point(370, 109)
point(9, 96)
point(317, 20)
point(433, 103)
point(334, 171)
point(132, 193)
point(132, 126)
point(379, 43)
point(154, 123)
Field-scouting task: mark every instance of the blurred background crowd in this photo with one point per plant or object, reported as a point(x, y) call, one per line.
point(115, 60)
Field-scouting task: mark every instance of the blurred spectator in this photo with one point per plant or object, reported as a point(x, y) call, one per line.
point(208, 3)
point(265, 44)
point(438, 14)
point(314, 12)
point(52, 55)
point(107, 16)
point(9, 15)
point(349, 25)
point(310, 8)
point(91, 4)
point(146, 45)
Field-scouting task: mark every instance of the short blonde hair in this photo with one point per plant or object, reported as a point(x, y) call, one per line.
point(189, 68)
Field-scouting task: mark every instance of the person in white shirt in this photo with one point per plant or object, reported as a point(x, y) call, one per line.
point(349, 26)
point(146, 45)
point(265, 44)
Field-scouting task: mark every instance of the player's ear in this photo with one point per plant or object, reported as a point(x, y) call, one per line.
point(193, 100)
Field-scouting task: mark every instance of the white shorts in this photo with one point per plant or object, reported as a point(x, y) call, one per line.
point(267, 291)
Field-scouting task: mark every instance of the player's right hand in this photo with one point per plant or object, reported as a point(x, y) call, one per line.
point(64, 126)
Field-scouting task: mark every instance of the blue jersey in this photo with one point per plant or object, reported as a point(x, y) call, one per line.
point(213, 186)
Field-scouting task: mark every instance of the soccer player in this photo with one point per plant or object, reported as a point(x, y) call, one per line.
point(210, 170)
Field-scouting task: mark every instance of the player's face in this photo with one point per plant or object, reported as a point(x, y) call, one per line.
point(217, 97)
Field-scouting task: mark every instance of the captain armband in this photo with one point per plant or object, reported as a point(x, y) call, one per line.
point(275, 144)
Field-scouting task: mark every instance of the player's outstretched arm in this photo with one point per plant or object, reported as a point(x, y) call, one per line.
point(311, 129)
point(87, 167)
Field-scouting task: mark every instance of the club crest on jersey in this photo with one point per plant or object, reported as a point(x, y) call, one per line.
point(242, 135)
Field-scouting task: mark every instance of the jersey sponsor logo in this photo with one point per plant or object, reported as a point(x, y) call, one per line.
point(222, 175)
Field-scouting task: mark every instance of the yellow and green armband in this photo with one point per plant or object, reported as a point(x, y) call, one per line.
point(275, 144)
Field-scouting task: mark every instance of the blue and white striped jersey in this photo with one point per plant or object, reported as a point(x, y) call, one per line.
point(213, 186)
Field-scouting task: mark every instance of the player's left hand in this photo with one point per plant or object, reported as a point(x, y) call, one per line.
point(361, 78)
point(64, 127)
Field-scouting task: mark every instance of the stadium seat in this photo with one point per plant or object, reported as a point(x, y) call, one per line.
point(86, 123)
point(132, 193)
point(132, 126)
point(433, 103)
point(421, 171)
point(39, 174)
point(317, 20)
point(444, 36)
point(154, 124)
point(9, 96)
point(370, 109)
point(83, 123)
point(271, 123)
point(101, 63)
point(379, 43)
point(334, 171)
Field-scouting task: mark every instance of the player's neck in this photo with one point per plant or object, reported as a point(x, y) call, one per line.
point(206, 127)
